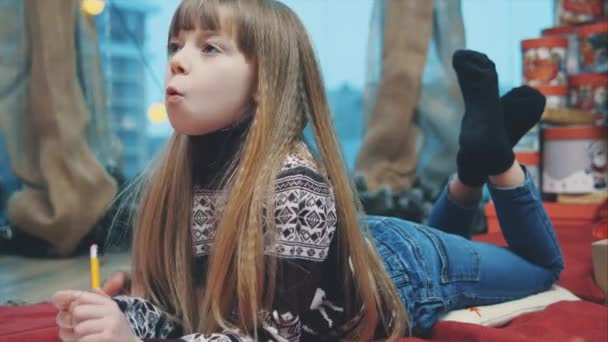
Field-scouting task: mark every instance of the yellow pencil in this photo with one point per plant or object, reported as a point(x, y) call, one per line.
point(94, 268)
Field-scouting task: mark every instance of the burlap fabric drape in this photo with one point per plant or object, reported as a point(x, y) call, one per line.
point(52, 114)
point(411, 87)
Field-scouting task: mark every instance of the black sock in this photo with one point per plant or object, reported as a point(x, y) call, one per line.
point(522, 108)
point(485, 148)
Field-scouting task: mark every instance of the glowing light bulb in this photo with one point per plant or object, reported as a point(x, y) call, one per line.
point(157, 113)
point(93, 7)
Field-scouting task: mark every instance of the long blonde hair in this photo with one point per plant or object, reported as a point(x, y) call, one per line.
point(290, 94)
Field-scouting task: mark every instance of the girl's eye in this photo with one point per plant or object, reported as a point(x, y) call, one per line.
point(210, 49)
point(172, 48)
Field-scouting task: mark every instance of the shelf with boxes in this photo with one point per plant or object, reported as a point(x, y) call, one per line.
point(567, 154)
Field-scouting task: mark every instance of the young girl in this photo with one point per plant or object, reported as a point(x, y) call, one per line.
point(242, 235)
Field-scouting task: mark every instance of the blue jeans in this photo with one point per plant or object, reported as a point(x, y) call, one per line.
point(438, 270)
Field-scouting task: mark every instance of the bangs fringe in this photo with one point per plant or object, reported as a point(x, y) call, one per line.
point(206, 15)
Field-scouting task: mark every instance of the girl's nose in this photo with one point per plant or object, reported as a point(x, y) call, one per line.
point(178, 65)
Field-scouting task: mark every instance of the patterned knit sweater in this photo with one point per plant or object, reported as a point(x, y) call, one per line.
point(309, 298)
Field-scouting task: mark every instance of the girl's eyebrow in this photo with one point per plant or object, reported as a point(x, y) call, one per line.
point(198, 33)
point(223, 38)
point(202, 35)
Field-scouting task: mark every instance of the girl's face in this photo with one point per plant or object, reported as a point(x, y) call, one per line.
point(209, 82)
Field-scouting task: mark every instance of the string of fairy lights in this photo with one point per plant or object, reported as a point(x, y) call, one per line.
point(157, 112)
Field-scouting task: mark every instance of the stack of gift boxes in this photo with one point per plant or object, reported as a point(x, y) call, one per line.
point(567, 154)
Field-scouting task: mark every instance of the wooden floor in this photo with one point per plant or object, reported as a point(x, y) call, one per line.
point(30, 281)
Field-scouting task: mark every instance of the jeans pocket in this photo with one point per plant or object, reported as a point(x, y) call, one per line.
point(459, 259)
point(394, 265)
point(396, 244)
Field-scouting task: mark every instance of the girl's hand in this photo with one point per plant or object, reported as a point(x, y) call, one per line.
point(90, 317)
point(118, 283)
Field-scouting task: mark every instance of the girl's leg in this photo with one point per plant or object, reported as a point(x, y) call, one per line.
point(445, 271)
point(523, 219)
point(532, 261)
point(503, 276)
point(524, 222)
point(455, 209)
point(484, 149)
point(469, 273)
point(435, 272)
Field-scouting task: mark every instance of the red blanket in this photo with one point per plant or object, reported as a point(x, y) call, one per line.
point(563, 321)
